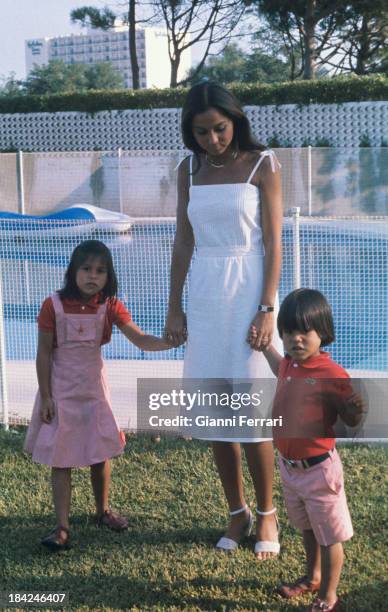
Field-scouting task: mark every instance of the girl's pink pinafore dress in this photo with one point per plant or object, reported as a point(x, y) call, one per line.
point(84, 430)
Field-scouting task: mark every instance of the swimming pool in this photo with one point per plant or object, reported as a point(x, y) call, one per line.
point(345, 259)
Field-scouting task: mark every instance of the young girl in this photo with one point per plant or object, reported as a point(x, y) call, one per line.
point(310, 468)
point(72, 423)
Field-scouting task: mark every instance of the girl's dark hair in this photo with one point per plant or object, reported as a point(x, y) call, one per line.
point(305, 310)
point(89, 249)
point(206, 95)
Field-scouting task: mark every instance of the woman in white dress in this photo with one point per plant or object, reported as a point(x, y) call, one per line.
point(229, 209)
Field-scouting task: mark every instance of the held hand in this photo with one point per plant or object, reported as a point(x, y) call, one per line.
point(261, 331)
point(47, 410)
point(175, 330)
point(354, 409)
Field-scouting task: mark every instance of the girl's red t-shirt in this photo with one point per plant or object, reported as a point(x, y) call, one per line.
point(116, 314)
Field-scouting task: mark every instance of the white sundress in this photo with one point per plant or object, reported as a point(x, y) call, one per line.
point(226, 282)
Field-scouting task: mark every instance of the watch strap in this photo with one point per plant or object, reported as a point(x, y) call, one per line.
point(265, 308)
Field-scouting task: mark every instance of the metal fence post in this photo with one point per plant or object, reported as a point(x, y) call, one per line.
point(20, 182)
point(295, 211)
point(309, 181)
point(119, 153)
point(3, 361)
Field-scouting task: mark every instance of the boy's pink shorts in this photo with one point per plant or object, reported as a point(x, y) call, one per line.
point(315, 499)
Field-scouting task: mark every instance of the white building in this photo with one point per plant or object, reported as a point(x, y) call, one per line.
point(111, 46)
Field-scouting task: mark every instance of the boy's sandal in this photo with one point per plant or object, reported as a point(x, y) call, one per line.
point(112, 520)
point(227, 544)
point(299, 587)
point(321, 606)
point(267, 545)
point(55, 540)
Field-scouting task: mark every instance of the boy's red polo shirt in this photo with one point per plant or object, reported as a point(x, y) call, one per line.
point(297, 404)
point(116, 314)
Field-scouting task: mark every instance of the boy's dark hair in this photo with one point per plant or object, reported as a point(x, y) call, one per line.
point(89, 249)
point(206, 95)
point(306, 310)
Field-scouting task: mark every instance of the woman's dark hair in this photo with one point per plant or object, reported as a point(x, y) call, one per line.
point(305, 310)
point(206, 95)
point(89, 249)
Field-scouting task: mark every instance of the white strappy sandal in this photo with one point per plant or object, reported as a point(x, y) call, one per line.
point(267, 545)
point(228, 544)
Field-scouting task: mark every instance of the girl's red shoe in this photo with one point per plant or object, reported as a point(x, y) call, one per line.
point(299, 587)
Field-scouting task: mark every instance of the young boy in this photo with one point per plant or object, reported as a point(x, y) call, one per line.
point(312, 391)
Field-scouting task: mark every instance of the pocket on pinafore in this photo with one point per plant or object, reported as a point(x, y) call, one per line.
point(79, 331)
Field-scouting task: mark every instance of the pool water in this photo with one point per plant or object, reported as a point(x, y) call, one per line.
point(349, 267)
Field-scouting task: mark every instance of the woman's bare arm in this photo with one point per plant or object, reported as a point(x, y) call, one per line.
point(271, 222)
point(181, 257)
point(269, 183)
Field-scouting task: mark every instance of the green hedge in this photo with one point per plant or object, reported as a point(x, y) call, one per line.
point(326, 91)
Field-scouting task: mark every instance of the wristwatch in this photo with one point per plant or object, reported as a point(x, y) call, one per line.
point(265, 308)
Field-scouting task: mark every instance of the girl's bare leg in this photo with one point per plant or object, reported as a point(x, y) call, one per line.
point(100, 477)
point(61, 489)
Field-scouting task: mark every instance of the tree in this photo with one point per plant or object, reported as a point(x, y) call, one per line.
point(104, 19)
point(10, 86)
point(103, 75)
point(58, 77)
point(234, 65)
point(307, 28)
point(189, 22)
point(364, 37)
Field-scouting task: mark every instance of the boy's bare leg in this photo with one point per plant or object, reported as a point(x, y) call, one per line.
point(332, 559)
point(313, 556)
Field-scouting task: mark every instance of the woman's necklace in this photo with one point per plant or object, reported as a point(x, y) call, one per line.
point(218, 165)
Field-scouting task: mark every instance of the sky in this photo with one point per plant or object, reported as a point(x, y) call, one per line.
point(24, 19)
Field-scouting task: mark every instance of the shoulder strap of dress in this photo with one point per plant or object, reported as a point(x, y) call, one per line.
point(57, 303)
point(190, 168)
point(272, 158)
point(102, 308)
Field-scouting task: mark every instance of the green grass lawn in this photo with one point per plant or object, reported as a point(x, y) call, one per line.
point(166, 560)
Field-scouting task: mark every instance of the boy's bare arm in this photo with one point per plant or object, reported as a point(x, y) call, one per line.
point(273, 357)
point(352, 409)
